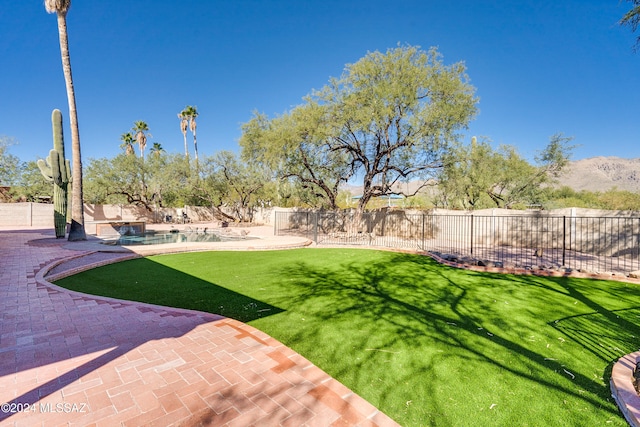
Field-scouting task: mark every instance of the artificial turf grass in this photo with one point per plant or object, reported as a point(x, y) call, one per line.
point(426, 344)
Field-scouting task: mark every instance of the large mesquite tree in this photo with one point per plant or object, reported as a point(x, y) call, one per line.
point(298, 148)
point(389, 118)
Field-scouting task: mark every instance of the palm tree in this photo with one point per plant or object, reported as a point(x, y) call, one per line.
point(139, 128)
point(76, 230)
point(190, 113)
point(193, 113)
point(156, 149)
point(184, 121)
point(127, 143)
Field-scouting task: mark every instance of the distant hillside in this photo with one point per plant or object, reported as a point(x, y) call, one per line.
point(594, 174)
point(602, 174)
point(404, 187)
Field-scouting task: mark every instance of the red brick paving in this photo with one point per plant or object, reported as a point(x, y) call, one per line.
point(622, 388)
point(77, 360)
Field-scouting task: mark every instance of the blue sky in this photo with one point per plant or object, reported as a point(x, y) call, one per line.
point(539, 67)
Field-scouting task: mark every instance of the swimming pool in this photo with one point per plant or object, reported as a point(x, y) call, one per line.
point(164, 237)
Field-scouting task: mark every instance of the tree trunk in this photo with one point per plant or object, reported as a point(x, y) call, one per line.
point(186, 149)
point(76, 231)
point(195, 146)
point(224, 215)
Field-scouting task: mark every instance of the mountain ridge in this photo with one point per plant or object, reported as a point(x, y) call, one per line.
point(601, 174)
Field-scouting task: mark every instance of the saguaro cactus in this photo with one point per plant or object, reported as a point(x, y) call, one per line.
point(56, 169)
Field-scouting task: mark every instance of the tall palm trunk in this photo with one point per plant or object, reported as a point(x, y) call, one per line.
point(183, 129)
point(142, 143)
point(186, 148)
point(188, 121)
point(139, 128)
point(76, 231)
point(195, 141)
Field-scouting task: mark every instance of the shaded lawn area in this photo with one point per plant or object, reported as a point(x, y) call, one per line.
point(427, 344)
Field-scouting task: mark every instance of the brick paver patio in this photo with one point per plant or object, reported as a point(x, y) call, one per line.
point(76, 360)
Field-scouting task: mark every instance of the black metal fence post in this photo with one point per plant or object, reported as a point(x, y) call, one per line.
point(472, 235)
point(564, 240)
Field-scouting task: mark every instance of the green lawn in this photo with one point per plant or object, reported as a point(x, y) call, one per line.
point(426, 344)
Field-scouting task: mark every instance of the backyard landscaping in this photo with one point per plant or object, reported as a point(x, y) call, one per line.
point(425, 343)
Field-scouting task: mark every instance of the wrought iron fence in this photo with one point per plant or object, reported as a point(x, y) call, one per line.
point(596, 244)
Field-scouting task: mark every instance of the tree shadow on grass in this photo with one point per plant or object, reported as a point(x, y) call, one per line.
point(597, 333)
point(137, 279)
point(409, 303)
point(608, 321)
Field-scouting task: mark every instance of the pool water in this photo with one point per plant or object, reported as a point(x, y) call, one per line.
point(163, 237)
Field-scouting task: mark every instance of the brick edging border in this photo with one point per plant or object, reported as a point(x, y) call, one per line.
point(47, 282)
point(532, 272)
point(622, 389)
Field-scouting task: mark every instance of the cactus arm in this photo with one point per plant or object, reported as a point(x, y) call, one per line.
point(45, 170)
point(68, 167)
point(55, 169)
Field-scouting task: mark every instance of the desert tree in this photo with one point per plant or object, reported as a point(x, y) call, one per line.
point(31, 186)
point(389, 118)
point(9, 164)
point(478, 176)
point(296, 146)
point(158, 180)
